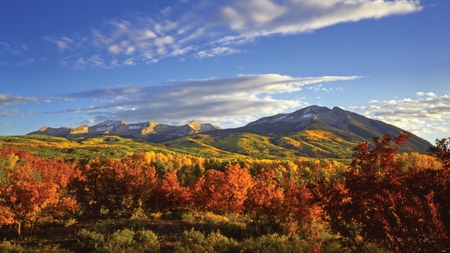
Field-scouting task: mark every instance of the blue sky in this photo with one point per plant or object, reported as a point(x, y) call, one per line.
point(69, 63)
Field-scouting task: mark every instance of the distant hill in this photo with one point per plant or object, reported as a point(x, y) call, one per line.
point(150, 130)
point(313, 131)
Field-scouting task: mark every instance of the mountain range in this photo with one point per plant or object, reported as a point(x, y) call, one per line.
point(150, 130)
point(313, 131)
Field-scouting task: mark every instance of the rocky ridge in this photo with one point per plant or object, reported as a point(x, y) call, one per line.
point(150, 130)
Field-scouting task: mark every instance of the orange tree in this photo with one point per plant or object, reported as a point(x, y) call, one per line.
point(278, 203)
point(113, 187)
point(378, 202)
point(223, 192)
point(265, 197)
point(33, 189)
point(168, 194)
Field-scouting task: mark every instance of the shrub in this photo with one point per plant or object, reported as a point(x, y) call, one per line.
point(147, 240)
point(221, 243)
point(195, 241)
point(125, 240)
point(122, 239)
point(8, 247)
point(89, 240)
point(275, 243)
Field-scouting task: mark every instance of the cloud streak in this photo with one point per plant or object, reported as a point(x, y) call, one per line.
point(6, 99)
point(207, 100)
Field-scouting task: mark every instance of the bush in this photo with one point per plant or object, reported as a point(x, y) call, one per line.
point(122, 239)
point(147, 240)
point(221, 243)
point(125, 240)
point(89, 240)
point(276, 243)
point(231, 225)
point(8, 247)
point(195, 241)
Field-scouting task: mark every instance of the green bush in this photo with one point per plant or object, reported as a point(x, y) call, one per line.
point(221, 243)
point(8, 247)
point(194, 241)
point(147, 240)
point(89, 240)
point(122, 239)
point(231, 225)
point(125, 240)
point(276, 243)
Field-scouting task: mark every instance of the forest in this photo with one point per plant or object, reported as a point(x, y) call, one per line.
point(381, 200)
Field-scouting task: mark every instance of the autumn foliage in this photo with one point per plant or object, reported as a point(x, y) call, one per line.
point(33, 190)
point(379, 203)
point(399, 202)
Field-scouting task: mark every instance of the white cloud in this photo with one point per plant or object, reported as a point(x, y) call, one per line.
point(129, 61)
point(165, 10)
point(230, 98)
point(211, 26)
point(426, 114)
point(264, 17)
point(6, 99)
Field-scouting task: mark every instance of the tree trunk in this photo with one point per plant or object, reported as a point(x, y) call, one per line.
point(19, 230)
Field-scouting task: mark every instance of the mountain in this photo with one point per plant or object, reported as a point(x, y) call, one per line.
point(313, 131)
point(150, 130)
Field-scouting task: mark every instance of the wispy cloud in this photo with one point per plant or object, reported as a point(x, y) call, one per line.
point(15, 113)
point(217, 51)
point(6, 99)
point(426, 113)
point(15, 53)
point(212, 100)
point(208, 28)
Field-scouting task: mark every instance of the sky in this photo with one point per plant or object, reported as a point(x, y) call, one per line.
point(224, 62)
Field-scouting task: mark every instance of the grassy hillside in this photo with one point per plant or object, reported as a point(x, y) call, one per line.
point(318, 141)
point(80, 148)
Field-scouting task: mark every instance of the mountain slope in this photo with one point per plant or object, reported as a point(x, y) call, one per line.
point(348, 125)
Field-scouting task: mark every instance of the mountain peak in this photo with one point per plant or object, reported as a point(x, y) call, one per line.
point(303, 114)
point(347, 124)
point(107, 126)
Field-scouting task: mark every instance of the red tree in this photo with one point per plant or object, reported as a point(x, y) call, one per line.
point(380, 203)
point(33, 189)
point(115, 187)
point(223, 191)
point(169, 195)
